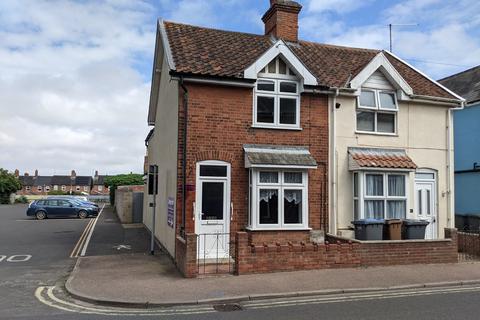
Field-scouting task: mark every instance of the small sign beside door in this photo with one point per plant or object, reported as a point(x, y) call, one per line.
point(170, 211)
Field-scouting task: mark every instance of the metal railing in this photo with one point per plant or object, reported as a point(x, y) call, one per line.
point(469, 245)
point(215, 253)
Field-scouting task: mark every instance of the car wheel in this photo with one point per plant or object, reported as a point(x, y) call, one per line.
point(82, 214)
point(40, 215)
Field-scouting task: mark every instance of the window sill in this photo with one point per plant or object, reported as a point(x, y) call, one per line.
point(259, 126)
point(300, 228)
point(377, 133)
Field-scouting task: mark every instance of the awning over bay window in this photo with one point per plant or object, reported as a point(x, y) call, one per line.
point(376, 158)
point(273, 156)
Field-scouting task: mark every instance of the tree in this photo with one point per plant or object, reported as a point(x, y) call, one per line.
point(130, 179)
point(8, 185)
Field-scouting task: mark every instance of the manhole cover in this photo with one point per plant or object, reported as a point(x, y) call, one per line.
point(227, 307)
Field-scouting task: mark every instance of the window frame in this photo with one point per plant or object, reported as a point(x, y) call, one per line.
point(378, 109)
point(276, 94)
point(281, 186)
point(362, 193)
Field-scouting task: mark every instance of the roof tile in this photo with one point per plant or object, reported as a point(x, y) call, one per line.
point(211, 52)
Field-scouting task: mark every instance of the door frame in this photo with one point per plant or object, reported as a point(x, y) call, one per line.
point(198, 193)
point(434, 183)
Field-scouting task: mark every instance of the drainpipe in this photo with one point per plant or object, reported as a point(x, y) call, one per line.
point(450, 172)
point(184, 156)
point(334, 218)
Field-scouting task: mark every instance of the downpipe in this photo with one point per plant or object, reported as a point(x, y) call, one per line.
point(184, 156)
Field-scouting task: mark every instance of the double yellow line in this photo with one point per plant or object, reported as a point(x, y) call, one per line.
point(83, 238)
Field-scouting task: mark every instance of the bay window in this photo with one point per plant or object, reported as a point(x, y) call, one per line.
point(278, 199)
point(377, 111)
point(379, 195)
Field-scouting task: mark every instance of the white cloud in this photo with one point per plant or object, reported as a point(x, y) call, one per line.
point(338, 6)
point(70, 95)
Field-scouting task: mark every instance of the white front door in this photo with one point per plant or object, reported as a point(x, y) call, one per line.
point(212, 219)
point(425, 207)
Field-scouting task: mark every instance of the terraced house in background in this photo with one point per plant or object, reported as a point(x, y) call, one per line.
point(41, 185)
point(268, 145)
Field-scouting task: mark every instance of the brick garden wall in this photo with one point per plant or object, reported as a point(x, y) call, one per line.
point(260, 258)
point(186, 255)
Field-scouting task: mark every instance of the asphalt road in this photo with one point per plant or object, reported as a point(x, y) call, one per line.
point(39, 254)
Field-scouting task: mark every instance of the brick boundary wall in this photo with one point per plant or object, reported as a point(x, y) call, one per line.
point(186, 255)
point(343, 253)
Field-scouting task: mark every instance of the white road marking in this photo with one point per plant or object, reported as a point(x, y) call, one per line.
point(123, 246)
point(2, 258)
point(15, 258)
point(85, 246)
point(53, 301)
point(357, 297)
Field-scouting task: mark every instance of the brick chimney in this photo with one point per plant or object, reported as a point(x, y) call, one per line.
point(17, 173)
point(281, 19)
point(73, 174)
point(36, 173)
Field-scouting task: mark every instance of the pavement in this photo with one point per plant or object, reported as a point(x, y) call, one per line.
point(137, 279)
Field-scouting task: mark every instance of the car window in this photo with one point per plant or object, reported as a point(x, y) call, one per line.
point(52, 203)
point(63, 203)
point(40, 202)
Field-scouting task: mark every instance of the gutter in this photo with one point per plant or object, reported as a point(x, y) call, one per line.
point(184, 156)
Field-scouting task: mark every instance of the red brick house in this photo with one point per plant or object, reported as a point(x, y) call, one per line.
point(241, 140)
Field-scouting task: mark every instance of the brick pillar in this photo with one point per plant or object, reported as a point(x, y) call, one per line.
point(191, 269)
point(241, 253)
point(451, 233)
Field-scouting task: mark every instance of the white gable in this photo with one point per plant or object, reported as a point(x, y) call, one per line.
point(281, 49)
point(378, 81)
point(381, 63)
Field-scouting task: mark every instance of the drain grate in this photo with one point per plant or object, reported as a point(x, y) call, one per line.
point(227, 307)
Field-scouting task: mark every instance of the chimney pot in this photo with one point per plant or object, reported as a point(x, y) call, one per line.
point(36, 172)
point(17, 173)
point(281, 19)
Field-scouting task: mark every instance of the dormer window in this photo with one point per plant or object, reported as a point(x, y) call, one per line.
point(377, 111)
point(277, 97)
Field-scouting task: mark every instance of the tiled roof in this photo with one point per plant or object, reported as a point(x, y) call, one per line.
point(211, 52)
point(61, 180)
point(465, 83)
point(83, 180)
point(379, 158)
point(267, 155)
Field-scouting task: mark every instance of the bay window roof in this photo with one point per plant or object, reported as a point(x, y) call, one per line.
point(258, 156)
point(376, 158)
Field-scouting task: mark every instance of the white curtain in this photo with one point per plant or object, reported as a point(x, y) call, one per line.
point(374, 209)
point(293, 196)
point(267, 194)
point(269, 177)
point(292, 177)
point(396, 185)
point(396, 209)
point(374, 184)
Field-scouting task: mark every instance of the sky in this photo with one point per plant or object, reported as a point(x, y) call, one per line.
point(75, 75)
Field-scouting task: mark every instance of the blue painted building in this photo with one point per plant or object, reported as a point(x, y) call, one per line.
point(467, 141)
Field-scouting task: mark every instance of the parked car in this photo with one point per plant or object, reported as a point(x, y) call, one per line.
point(60, 207)
point(81, 199)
